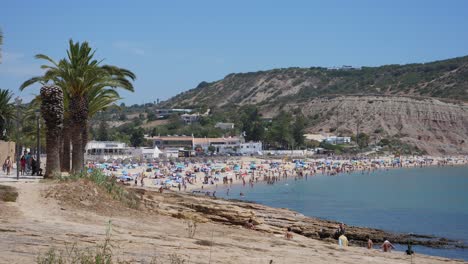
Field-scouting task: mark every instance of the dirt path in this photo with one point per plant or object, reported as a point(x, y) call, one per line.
point(34, 224)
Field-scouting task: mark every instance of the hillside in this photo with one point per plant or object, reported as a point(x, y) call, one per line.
point(424, 105)
point(442, 79)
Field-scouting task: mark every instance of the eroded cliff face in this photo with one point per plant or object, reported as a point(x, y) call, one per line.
point(432, 125)
point(424, 105)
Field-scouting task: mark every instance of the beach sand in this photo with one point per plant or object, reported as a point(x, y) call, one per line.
point(39, 221)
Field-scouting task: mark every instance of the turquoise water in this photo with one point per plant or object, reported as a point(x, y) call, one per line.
point(430, 201)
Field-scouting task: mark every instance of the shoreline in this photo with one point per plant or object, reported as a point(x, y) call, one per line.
point(80, 210)
point(260, 176)
point(239, 182)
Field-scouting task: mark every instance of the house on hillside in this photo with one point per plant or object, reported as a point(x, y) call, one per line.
point(190, 118)
point(331, 139)
point(338, 140)
point(224, 126)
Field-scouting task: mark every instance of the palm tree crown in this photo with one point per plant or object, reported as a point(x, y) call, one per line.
point(6, 110)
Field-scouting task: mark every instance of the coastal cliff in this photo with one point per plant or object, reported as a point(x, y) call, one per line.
point(422, 105)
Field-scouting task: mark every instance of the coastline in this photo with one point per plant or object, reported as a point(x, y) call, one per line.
point(160, 222)
point(200, 190)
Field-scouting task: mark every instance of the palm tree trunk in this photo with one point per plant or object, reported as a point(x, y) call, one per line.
point(52, 112)
point(79, 118)
point(53, 154)
point(77, 150)
point(84, 138)
point(66, 138)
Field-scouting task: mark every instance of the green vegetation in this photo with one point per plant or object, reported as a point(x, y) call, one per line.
point(88, 87)
point(6, 113)
point(442, 79)
point(396, 146)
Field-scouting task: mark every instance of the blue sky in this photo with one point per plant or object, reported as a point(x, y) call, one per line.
point(174, 45)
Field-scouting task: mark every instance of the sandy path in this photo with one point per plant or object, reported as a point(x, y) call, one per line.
point(34, 223)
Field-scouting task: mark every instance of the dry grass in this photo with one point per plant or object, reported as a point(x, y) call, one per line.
point(8, 193)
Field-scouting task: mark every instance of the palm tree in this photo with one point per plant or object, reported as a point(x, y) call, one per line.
point(79, 75)
point(52, 112)
point(6, 111)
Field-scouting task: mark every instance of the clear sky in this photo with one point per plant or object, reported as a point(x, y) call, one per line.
point(174, 45)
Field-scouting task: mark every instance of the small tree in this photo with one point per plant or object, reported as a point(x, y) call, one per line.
point(103, 131)
point(211, 149)
point(363, 140)
point(137, 138)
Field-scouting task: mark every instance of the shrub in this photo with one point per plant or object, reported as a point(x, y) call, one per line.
point(8, 194)
point(109, 184)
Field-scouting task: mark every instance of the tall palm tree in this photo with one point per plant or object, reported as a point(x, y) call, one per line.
point(52, 112)
point(6, 111)
point(78, 75)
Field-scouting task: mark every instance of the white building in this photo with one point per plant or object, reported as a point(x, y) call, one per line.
point(111, 150)
point(225, 126)
point(250, 148)
point(338, 140)
point(107, 150)
point(146, 153)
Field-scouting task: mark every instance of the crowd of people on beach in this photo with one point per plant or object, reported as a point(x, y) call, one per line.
point(206, 177)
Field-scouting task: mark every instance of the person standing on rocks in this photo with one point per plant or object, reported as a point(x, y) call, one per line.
point(289, 234)
point(370, 244)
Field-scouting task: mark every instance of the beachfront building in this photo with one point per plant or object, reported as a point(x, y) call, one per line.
point(224, 126)
point(146, 153)
point(111, 150)
point(107, 150)
point(251, 147)
point(176, 142)
point(221, 145)
point(171, 144)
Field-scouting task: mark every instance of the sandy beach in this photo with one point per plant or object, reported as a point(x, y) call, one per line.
point(55, 215)
point(205, 177)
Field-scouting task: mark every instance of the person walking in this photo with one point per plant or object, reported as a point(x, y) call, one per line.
point(7, 165)
point(23, 164)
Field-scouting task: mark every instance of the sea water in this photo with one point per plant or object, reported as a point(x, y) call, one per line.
point(428, 201)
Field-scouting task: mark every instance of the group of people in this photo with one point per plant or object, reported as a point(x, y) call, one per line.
point(28, 165)
point(343, 240)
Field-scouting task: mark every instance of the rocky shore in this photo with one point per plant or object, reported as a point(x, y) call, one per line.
point(274, 220)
